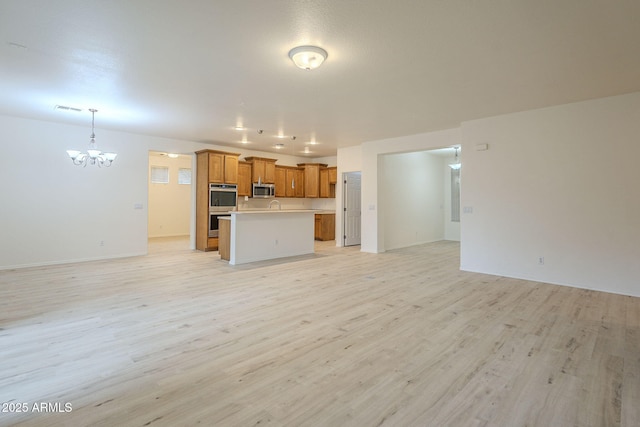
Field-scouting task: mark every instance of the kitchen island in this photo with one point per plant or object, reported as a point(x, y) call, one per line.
point(258, 235)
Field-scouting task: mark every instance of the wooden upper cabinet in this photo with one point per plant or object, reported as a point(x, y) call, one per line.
point(281, 181)
point(230, 169)
point(328, 178)
point(222, 167)
point(244, 179)
point(312, 178)
point(290, 189)
point(333, 175)
point(324, 182)
point(289, 181)
point(299, 183)
point(216, 167)
point(263, 170)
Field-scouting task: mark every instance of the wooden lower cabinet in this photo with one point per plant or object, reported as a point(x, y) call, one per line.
point(325, 227)
point(224, 238)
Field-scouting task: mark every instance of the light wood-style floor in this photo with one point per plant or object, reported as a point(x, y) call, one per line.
point(339, 338)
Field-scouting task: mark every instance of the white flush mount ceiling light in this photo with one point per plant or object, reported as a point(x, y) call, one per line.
point(308, 57)
point(456, 164)
point(93, 155)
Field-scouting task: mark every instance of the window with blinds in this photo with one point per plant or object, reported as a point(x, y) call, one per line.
point(184, 176)
point(159, 175)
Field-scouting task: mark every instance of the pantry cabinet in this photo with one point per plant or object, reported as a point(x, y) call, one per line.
point(213, 167)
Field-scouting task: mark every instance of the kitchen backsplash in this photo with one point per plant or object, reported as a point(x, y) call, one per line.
point(287, 203)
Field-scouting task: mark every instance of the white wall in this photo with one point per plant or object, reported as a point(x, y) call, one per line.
point(55, 212)
point(411, 194)
point(169, 204)
point(559, 183)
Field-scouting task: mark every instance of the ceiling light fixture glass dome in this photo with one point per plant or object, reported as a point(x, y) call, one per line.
point(308, 57)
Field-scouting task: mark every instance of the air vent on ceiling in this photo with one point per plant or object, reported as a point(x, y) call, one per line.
point(66, 108)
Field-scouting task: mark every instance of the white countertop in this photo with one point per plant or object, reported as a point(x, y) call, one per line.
point(274, 211)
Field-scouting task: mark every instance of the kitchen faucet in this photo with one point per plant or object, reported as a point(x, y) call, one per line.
point(275, 201)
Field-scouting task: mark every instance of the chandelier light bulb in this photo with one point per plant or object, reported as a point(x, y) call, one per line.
point(456, 164)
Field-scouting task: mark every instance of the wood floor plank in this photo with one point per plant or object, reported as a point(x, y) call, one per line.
point(339, 337)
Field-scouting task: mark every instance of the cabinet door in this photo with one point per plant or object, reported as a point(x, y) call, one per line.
point(216, 168)
point(230, 169)
point(258, 170)
point(281, 181)
point(333, 175)
point(311, 181)
point(324, 183)
point(269, 172)
point(299, 176)
point(244, 179)
point(328, 227)
point(290, 183)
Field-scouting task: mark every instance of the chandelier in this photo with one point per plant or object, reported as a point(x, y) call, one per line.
point(456, 163)
point(93, 155)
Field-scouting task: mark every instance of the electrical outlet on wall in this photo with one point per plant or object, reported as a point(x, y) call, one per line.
point(541, 260)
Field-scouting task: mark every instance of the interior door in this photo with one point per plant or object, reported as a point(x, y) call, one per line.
point(352, 212)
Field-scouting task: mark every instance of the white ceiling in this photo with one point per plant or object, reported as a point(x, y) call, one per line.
point(195, 69)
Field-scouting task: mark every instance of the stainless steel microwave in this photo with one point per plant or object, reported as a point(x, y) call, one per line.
point(264, 191)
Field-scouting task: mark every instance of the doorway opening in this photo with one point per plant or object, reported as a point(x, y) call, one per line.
point(169, 201)
point(418, 198)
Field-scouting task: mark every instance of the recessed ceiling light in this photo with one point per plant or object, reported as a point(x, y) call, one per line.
point(173, 155)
